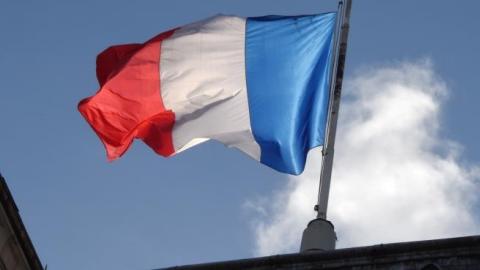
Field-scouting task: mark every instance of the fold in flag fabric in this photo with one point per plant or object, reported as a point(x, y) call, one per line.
point(257, 84)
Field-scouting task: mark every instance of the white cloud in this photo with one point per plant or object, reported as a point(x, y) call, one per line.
point(395, 178)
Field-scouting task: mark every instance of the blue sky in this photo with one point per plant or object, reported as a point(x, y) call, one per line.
point(144, 211)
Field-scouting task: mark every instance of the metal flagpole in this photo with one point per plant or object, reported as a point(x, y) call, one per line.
point(320, 233)
point(328, 150)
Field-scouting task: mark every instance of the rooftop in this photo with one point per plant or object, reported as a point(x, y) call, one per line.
point(460, 253)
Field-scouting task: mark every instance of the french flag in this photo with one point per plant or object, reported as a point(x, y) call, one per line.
point(259, 84)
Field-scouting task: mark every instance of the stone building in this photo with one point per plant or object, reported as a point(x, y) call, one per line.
point(16, 249)
point(461, 253)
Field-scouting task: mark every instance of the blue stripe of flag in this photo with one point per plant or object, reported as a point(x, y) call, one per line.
point(288, 70)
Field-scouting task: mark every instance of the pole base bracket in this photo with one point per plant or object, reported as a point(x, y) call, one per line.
point(318, 236)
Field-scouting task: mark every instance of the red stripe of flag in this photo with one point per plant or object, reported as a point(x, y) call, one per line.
point(129, 104)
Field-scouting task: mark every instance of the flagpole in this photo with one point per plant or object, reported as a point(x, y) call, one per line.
point(320, 233)
point(328, 150)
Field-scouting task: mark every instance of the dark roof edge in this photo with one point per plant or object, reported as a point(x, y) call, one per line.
point(19, 230)
point(381, 249)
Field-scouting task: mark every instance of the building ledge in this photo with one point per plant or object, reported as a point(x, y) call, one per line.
point(452, 253)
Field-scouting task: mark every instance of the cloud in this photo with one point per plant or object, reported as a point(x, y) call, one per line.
point(395, 177)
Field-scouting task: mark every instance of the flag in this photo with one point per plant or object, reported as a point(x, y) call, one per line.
point(258, 84)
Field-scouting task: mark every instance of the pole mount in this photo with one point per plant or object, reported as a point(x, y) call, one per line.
point(318, 236)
